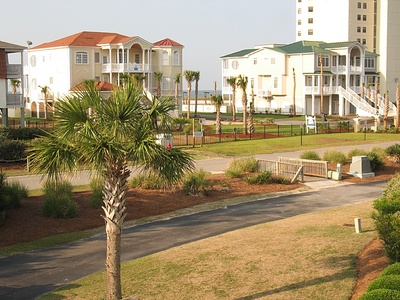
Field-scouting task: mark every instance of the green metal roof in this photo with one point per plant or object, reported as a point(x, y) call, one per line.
point(305, 47)
point(240, 53)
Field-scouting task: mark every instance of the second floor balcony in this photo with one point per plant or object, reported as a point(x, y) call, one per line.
point(14, 100)
point(14, 71)
point(125, 68)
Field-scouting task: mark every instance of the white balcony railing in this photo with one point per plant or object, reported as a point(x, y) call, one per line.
point(355, 69)
point(339, 69)
point(125, 68)
point(316, 90)
point(14, 100)
point(264, 93)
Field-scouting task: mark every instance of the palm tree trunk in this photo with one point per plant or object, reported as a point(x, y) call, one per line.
point(218, 121)
point(115, 187)
point(244, 103)
point(188, 105)
point(234, 105)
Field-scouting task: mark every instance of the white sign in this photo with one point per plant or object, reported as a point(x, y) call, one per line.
point(202, 121)
point(198, 133)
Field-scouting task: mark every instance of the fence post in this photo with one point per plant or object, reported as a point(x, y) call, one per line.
point(291, 129)
point(234, 133)
point(264, 130)
point(278, 130)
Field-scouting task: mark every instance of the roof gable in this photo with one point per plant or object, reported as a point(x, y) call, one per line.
point(11, 47)
point(167, 43)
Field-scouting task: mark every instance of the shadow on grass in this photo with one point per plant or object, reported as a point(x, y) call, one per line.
point(347, 273)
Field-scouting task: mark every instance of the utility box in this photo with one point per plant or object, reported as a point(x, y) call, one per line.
point(361, 167)
point(164, 139)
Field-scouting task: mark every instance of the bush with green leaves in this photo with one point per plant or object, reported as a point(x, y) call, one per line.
point(311, 155)
point(262, 178)
point(393, 269)
point(393, 152)
point(386, 216)
point(197, 184)
point(391, 282)
point(96, 198)
point(12, 150)
point(376, 161)
point(356, 152)
point(26, 133)
point(335, 157)
point(4, 133)
point(11, 195)
point(147, 181)
point(58, 202)
point(381, 294)
point(239, 166)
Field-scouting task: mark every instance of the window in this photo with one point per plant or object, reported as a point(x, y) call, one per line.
point(299, 11)
point(370, 62)
point(272, 60)
point(359, 40)
point(364, 29)
point(51, 80)
point(308, 80)
point(124, 58)
point(364, 17)
point(310, 20)
point(81, 57)
point(235, 64)
point(310, 9)
point(165, 57)
point(225, 64)
point(310, 32)
point(255, 61)
point(275, 82)
point(176, 58)
point(299, 1)
point(165, 83)
point(358, 4)
point(298, 33)
point(364, 5)
point(358, 29)
point(97, 57)
point(325, 60)
point(364, 41)
point(299, 22)
point(105, 59)
point(358, 17)
point(137, 58)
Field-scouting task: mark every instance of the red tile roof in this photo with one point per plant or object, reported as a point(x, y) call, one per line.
point(167, 42)
point(86, 38)
point(100, 86)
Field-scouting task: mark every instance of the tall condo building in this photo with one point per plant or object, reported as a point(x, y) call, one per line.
point(373, 23)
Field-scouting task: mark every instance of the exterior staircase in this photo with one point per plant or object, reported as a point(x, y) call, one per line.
point(371, 105)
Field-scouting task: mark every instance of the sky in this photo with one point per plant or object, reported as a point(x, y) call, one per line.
point(208, 29)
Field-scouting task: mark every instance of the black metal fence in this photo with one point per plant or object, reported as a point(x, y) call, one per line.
point(263, 131)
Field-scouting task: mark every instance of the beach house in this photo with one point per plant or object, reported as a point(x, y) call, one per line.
point(55, 68)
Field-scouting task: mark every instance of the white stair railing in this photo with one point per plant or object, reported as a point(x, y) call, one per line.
point(357, 101)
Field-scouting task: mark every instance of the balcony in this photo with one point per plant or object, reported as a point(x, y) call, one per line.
point(264, 93)
point(315, 90)
point(125, 68)
point(14, 71)
point(14, 100)
point(339, 69)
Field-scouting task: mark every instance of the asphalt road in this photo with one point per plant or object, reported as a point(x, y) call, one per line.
point(30, 274)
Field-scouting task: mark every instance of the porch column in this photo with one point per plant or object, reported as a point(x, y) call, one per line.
point(341, 104)
point(330, 105)
point(110, 55)
point(313, 104)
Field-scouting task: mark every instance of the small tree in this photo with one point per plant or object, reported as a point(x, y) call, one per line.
point(232, 81)
point(189, 76)
point(242, 84)
point(45, 90)
point(158, 76)
point(196, 77)
point(218, 101)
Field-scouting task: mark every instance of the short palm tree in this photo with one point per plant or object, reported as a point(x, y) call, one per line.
point(177, 82)
point(15, 84)
point(251, 111)
point(242, 82)
point(189, 76)
point(118, 133)
point(158, 76)
point(196, 77)
point(218, 102)
point(232, 81)
point(45, 90)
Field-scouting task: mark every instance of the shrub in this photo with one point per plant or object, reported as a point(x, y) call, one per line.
point(391, 282)
point(312, 155)
point(263, 178)
point(376, 161)
point(26, 133)
point(393, 152)
point(381, 152)
point(196, 183)
point(393, 269)
point(96, 199)
point(4, 133)
point(58, 201)
point(387, 221)
point(147, 181)
point(381, 294)
point(239, 166)
point(12, 150)
point(335, 157)
point(356, 152)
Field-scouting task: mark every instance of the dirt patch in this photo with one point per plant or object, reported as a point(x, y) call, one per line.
point(27, 223)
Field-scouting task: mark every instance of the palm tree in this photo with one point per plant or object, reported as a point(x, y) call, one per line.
point(124, 78)
point(196, 77)
point(177, 81)
point(138, 80)
point(117, 134)
point(251, 111)
point(15, 83)
point(189, 76)
point(218, 102)
point(158, 76)
point(386, 111)
point(45, 90)
point(232, 81)
point(294, 93)
point(242, 84)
